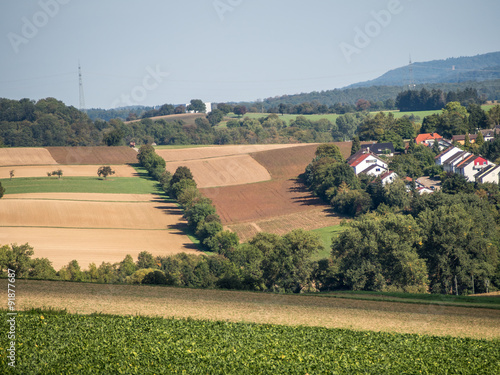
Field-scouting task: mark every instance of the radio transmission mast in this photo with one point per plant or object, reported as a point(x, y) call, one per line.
point(82, 97)
point(411, 81)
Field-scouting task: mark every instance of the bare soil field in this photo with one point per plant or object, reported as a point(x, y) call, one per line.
point(87, 214)
point(68, 171)
point(62, 245)
point(94, 155)
point(307, 220)
point(25, 156)
point(223, 171)
point(253, 202)
point(196, 153)
point(267, 308)
point(286, 163)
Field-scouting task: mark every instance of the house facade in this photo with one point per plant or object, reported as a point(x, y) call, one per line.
point(470, 166)
point(367, 162)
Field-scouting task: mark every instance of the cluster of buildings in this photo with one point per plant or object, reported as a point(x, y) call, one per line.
point(474, 168)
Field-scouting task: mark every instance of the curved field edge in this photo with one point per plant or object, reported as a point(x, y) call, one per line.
point(50, 342)
point(264, 308)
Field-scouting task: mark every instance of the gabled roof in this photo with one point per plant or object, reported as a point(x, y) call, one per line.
point(461, 137)
point(456, 157)
point(359, 159)
point(483, 172)
point(353, 162)
point(380, 148)
point(386, 174)
point(469, 159)
point(426, 136)
point(444, 152)
point(371, 167)
point(356, 155)
point(486, 171)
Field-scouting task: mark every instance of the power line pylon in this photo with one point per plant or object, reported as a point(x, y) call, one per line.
point(82, 97)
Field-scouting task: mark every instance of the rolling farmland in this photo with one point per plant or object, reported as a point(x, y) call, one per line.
point(82, 217)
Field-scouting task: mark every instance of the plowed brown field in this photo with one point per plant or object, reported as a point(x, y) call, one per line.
point(262, 200)
point(25, 156)
point(93, 155)
point(223, 171)
point(68, 171)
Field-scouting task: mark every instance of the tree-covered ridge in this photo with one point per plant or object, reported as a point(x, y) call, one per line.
point(456, 69)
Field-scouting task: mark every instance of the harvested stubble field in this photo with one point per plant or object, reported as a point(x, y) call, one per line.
point(223, 171)
point(25, 156)
point(235, 306)
point(102, 155)
point(195, 153)
point(68, 171)
point(93, 228)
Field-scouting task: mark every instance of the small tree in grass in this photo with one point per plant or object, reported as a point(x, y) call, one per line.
point(11, 173)
point(57, 173)
point(105, 171)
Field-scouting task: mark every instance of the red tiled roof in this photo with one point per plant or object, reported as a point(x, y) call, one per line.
point(358, 160)
point(426, 136)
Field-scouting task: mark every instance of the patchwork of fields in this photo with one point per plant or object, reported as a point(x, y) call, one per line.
point(80, 216)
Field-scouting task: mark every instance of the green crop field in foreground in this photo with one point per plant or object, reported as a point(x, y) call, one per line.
point(59, 343)
point(113, 185)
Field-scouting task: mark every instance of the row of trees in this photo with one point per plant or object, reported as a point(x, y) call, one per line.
point(425, 100)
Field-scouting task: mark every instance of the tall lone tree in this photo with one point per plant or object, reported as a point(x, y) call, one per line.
point(356, 145)
point(105, 171)
point(197, 105)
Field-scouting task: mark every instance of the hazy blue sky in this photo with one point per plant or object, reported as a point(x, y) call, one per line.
point(170, 51)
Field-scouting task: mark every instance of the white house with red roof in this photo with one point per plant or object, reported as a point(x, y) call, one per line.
point(367, 162)
point(427, 138)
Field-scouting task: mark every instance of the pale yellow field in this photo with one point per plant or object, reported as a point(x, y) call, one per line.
point(223, 171)
point(87, 214)
point(88, 197)
point(92, 227)
point(266, 308)
point(62, 245)
point(195, 153)
point(68, 171)
point(25, 156)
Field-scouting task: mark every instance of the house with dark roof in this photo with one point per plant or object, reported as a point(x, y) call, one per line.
point(450, 164)
point(380, 148)
point(489, 174)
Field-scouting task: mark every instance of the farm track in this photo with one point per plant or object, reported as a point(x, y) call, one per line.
point(271, 308)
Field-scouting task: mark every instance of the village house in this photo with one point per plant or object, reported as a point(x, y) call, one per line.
point(388, 177)
point(489, 174)
point(427, 139)
point(450, 164)
point(367, 162)
point(380, 148)
point(471, 165)
point(446, 154)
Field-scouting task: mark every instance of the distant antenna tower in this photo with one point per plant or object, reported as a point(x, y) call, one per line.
point(82, 97)
point(411, 83)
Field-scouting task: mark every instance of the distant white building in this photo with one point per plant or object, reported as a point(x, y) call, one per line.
point(208, 107)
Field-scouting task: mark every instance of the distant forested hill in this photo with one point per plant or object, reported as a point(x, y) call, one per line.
point(453, 70)
point(489, 89)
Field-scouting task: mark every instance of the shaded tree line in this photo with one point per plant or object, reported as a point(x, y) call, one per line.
point(425, 100)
